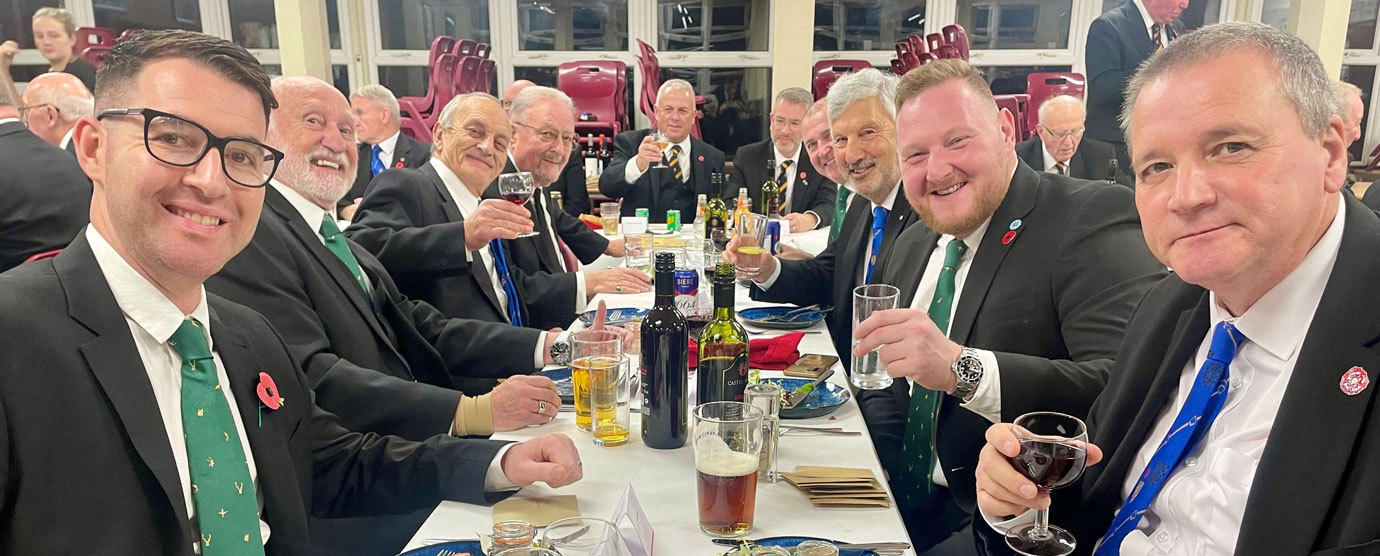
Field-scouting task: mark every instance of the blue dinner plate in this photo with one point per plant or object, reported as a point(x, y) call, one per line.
point(822, 401)
point(760, 317)
point(564, 386)
point(459, 547)
point(790, 543)
point(616, 317)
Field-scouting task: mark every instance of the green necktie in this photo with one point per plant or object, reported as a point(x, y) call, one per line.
point(341, 249)
point(226, 508)
point(917, 446)
point(840, 210)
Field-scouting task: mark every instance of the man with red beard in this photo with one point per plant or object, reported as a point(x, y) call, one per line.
point(1015, 294)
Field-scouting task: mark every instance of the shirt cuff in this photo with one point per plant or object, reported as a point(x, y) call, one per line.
point(817, 218)
point(539, 353)
point(987, 397)
point(473, 417)
point(581, 301)
point(766, 284)
point(1001, 525)
point(630, 171)
point(495, 480)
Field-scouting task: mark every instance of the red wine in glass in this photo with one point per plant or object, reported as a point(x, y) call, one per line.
point(1053, 454)
point(517, 187)
point(517, 197)
point(1050, 464)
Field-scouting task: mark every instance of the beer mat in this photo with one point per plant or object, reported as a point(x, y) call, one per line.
point(540, 511)
point(799, 480)
point(810, 366)
point(852, 502)
point(834, 472)
point(835, 487)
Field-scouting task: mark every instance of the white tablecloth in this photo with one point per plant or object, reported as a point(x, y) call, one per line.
point(812, 242)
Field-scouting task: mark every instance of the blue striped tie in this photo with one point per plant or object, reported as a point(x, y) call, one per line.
point(879, 215)
point(376, 163)
point(501, 264)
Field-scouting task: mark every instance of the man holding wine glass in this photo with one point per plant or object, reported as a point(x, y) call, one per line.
point(1238, 417)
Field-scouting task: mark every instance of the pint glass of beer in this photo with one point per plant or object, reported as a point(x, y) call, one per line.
point(592, 352)
point(728, 441)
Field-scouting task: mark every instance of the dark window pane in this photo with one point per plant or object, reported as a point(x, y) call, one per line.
point(131, 14)
point(713, 25)
point(1360, 31)
point(997, 26)
point(254, 24)
point(404, 81)
point(16, 17)
point(412, 24)
point(1363, 77)
point(573, 25)
point(866, 24)
point(736, 103)
point(1010, 80)
point(1275, 13)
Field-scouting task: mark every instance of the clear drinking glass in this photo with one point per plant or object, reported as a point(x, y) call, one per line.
point(591, 352)
point(608, 401)
point(518, 188)
point(662, 142)
point(752, 229)
point(528, 551)
point(608, 217)
point(728, 444)
point(637, 244)
point(766, 396)
point(1053, 454)
point(868, 372)
point(584, 536)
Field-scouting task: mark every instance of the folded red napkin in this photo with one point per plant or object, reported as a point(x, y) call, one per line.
point(770, 354)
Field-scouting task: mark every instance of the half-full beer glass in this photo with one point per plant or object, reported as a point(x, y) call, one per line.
point(728, 442)
point(591, 352)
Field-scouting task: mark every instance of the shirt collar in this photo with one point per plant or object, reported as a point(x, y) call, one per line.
point(464, 199)
point(1279, 319)
point(138, 299)
point(309, 211)
point(66, 139)
point(890, 199)
point(1144, 16)
point(1050, 161)
point(8, 120)
point(794, 158)
point(684, 146)
point(389, 144)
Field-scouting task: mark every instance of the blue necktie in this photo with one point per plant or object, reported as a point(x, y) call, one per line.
point(501, 263)
point(377, 163)
point(878, 230)
point(1190, 426)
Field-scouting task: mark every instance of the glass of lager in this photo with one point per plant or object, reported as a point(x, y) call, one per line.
point(592, 352)
point(728, 444)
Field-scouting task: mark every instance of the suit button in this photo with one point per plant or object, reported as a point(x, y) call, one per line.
point(1191, 462)
point(1162, 536)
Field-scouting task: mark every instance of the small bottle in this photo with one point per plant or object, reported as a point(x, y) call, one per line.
point(513, 534)
point(716, 213)
point(744, 208)
point(701, 208)
point(604, 153)
point(590, 155)
point(723, 346)
point(556, 200)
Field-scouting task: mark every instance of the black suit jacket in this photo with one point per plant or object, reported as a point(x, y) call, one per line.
point(574, 193)
point(536, 253)
point(1052, 304)
point(1117, 43)
point(84, 456)
point(829, 278)
point(813, 192)
point(1372, 199)
point(1091, 161)
point(408, 153)
point(656, 189)
point(365, 353)
point(47, 197)
point(411, 223)
point(1315, 487)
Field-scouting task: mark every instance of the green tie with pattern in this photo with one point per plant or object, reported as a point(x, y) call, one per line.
point(840, 210)
point(226, 508)
point(335, 241)
point(917, 446)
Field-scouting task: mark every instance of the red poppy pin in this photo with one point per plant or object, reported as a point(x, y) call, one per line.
point(701, 158)
point(268, 396)
point(802, 175)
point(1008, 237)
point(398, 164)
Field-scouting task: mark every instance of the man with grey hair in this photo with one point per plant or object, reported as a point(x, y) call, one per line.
point(664, 168)
point(1351, 108)
point(543, 121)
point(1118, 41)
point(382, 144)
point(862, 118)
point(53, 102)
point(806, 197)
point(1060, 147)
point(1238, 417)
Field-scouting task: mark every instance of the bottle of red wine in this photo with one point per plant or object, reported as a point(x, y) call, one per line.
point(722, 372)
point(665, 367)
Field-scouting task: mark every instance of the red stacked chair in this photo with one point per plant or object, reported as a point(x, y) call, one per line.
point(934, 41)
point(466, 47)
point(945, 51)
point(440, 45)
point(958, 38)
point(598, 88)
point(916, 50)
point(650, 67)
point(419, 113)
point(1046, 85)
point(1019, 105)
point(917, 43)
point(829, 71)
point(127, 34)
point(95, 55)
point(467, 75)
point(94, 36)
point(482, 50)
point(485, 82)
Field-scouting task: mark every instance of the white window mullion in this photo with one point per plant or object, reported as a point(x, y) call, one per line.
point(83, 15)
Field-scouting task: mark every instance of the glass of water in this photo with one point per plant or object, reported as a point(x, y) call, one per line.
point(868, 372)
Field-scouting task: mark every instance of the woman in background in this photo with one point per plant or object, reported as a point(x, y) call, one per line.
point(55, 36)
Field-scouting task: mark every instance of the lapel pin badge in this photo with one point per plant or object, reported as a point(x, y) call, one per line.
point(1354, 381)
point(398, 164)
point(1008, 237)
point(701, 159)
point(268, 396)
point(802, 175)
point(1015, 224)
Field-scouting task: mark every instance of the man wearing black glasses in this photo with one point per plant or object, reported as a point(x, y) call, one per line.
point(1059, 146)
point(140, 415)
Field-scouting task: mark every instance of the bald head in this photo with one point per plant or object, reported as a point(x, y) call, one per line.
point(510, 94)
point(1061, 126)
point(58, 100)
point(315, 129)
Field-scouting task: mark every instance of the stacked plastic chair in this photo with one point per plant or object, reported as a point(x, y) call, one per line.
point(650, 67)
point(1042, 86)
point(1019, 105)
point(599, 91)
point(419, 113)
point(829, 71)
point(916, 50)
point(93, 43)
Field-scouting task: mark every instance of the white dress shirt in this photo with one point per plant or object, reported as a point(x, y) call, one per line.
point(631, 171)
point(1200, 507)
point(1150, 24)
point(311, 214)
point(1050, 161)
point(66, 138)
point(538, 200)
point(386, 149)
point(152, 320)
point(8, 120)
point(861, 271)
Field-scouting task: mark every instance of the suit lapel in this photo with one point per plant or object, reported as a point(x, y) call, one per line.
point(548, 255)
point(1035, 154)
point(448, 205)
point(699, 167)
point(1284, 513)
point(918, 246)
point(1141, 39)
point(799, 202)
point(1078, 165)
point(115, 362)
point(854, 241)
point(1019, 201)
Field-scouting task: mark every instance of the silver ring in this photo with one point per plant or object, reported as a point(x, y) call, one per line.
point(618, 289)
point(541, 407)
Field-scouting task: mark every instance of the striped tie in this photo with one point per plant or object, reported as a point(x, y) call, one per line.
point(1060, 169)
point(1155, 36)
point(674, 163)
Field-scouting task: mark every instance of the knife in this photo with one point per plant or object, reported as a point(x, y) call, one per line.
point(799, 395)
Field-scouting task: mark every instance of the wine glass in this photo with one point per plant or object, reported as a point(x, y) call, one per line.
point(517, 188)
point(659, 139)
point(1053, 455)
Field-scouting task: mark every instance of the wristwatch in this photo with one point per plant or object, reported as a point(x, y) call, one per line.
point(560, 348)
point(968, 370)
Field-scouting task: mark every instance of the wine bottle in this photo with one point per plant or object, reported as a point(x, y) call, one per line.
point(771, 194)
point(723, 346)
point(665, 363)
point(717, 211)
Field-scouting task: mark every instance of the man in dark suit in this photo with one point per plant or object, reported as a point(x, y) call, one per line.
point(807, 198)
point(431, 231)
point(1050, 269)
point(1060, 147)
point(1238, 417)
point(543, 132)
point(53, 103)
point(1118, 41)
point(382, 145)
point(47, 197)
point(163, 457)
point(860, 116)
point(683, 166)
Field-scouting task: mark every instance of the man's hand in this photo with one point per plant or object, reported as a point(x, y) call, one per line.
point(788, 252)
point(616, 280)
point(347, 212)
point(764, 271)
point(546, 349)
point(801, 221)
point(912, 347)
point(601, 316)
point(7, 51)
point(549, 458)
point(1001, 490)
point(495, 219)
point(647, 153)
point(615, 248)
point(523, 400)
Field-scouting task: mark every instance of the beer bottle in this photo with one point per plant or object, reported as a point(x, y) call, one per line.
point(771, 194)
point(723, 346)
point(665, 367)
point(717, 213)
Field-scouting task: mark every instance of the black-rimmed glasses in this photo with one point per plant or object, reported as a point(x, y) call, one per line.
point(174, 140)
point(549, 136)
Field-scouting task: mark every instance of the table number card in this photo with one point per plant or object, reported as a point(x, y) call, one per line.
point(629, 508)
